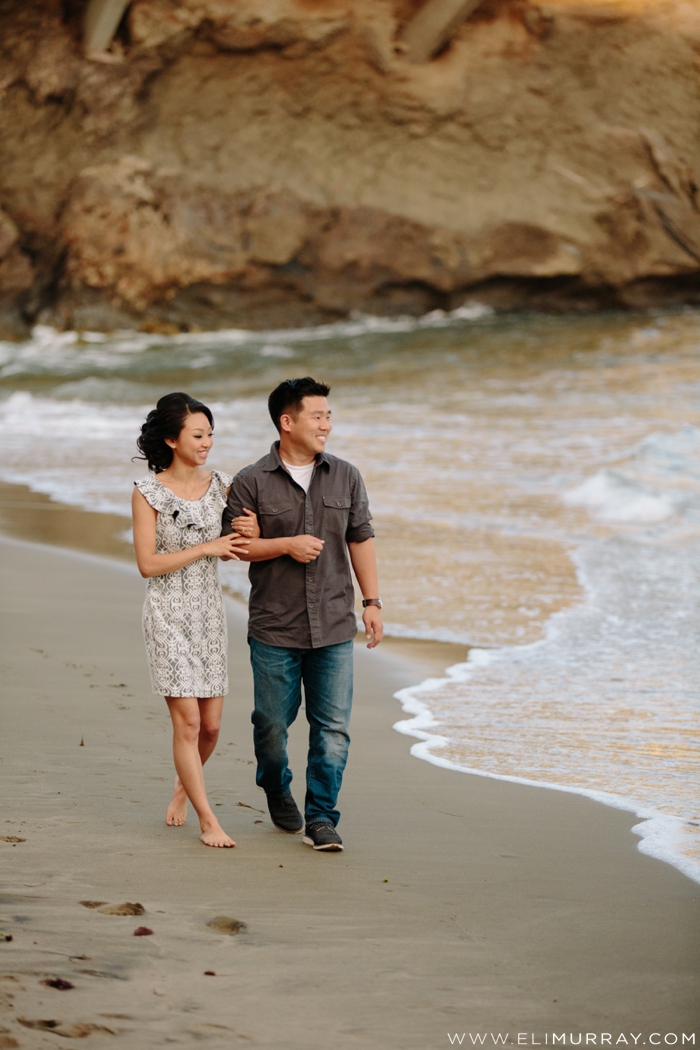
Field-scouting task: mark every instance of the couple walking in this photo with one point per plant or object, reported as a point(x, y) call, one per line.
point(299, 516)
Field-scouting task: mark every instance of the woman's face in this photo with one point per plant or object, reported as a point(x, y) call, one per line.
point(194, 441)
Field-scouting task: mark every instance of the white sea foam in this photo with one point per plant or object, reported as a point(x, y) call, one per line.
point(79, 452)
point(55, 353)
point(594, 690)
point(613, 497)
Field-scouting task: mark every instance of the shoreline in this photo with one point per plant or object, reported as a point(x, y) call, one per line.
point(654, 830)
point(459, 902)
point(36, 517)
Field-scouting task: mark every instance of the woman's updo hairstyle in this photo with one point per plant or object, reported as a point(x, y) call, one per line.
point(166, 420)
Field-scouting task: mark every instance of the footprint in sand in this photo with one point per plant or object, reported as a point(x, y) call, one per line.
point(127, 908)
point(223, 924)
point(104, 973)
point(77, 1030)
point(123, 909)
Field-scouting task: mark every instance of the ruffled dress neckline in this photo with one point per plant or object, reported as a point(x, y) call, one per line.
point(182, 498)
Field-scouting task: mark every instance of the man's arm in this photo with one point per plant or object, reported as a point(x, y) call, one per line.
point(302, 548)
point(242, 496)
point(364, 562)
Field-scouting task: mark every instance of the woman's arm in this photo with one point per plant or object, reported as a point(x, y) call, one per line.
point(152, 564)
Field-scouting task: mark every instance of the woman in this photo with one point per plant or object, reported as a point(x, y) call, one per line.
point(177, 521)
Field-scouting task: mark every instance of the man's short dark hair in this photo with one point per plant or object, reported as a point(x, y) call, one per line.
point(288, 396)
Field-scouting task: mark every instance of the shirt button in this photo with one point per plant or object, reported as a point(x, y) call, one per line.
point(337, 503)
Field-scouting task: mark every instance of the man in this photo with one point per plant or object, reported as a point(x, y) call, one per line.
point(312, 509)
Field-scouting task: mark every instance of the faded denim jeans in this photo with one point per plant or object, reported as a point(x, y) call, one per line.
point(326, 674)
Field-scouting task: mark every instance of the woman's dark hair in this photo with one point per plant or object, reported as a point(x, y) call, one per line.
point(288, 396)
point(166, 420)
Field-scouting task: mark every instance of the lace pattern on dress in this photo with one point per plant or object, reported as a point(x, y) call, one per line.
point(184, 620)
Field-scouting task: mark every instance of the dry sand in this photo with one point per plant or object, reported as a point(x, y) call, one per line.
point(460, 905)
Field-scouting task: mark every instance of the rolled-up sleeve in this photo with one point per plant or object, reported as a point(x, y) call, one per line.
point(359, 528)
point(241, 494)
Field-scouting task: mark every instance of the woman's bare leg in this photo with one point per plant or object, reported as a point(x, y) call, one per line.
point(210, 711)
point(185, 715)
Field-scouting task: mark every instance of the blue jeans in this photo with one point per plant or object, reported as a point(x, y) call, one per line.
point(326, 673)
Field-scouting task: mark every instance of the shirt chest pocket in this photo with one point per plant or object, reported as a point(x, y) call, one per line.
point(336, 512)
point(276, 519)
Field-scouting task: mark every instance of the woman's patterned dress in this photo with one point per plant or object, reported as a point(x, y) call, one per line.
point(184, 621)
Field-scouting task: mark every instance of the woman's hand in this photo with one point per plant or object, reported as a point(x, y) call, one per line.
point(247, 525)
point(228, 547)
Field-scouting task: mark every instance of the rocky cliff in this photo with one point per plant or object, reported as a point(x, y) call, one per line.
point(264, 162)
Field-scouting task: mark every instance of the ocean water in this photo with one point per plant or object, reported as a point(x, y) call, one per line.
point(535, 484)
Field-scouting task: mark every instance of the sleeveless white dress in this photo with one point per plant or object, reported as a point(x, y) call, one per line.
point(184, 620)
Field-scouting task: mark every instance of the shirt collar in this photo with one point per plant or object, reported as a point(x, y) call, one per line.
point(274, 460)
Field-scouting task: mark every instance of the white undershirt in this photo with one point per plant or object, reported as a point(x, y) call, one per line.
point(302, 475)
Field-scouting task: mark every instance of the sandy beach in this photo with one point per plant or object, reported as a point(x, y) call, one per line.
point(460, 905)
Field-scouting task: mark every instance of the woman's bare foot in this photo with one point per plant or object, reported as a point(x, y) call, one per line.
point(177, 810)
point(214, 835)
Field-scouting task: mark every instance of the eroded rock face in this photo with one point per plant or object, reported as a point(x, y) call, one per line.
point(16, 274)
point(261, 163)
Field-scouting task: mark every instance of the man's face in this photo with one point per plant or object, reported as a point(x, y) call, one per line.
point(311, 427)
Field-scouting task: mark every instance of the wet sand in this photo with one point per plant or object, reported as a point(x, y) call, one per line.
point(460, 905)
point(33, 516)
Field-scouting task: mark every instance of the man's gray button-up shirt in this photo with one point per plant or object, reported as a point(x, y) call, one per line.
point(295, 605)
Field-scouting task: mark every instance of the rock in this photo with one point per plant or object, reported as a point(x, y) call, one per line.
point(53, 72)
point(275, 162)
point(248, 25)
point(92, 904)
point(9, 234)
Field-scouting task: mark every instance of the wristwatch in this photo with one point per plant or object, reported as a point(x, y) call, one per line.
point(371, 601)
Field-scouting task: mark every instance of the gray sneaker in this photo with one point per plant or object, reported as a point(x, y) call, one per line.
point(285, 813)
point(322, 835)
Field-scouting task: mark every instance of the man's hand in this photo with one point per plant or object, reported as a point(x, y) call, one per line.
point(374, 628)
point(304, 548)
